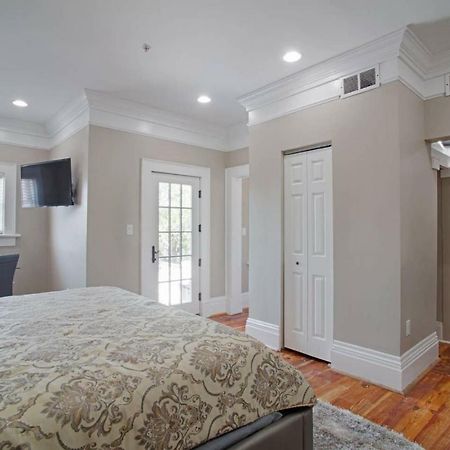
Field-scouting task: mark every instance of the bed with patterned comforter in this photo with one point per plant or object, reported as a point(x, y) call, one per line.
point(102, 368)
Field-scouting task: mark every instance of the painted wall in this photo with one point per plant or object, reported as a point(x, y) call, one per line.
point(32, 224)
point(114, 201)
point(437, 118)
point(68, 225)
point(236, 157)
point(366, 184)
point(419, 222)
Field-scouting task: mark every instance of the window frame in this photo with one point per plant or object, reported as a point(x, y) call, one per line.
point(9, 235)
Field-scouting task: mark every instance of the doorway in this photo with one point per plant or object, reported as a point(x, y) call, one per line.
point(173, 253)
point(237, 237)
point(308, 252)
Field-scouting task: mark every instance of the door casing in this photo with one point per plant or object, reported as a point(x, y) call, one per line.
point(148, 166)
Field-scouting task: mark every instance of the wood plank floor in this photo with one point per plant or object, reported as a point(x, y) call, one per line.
point(422, 414)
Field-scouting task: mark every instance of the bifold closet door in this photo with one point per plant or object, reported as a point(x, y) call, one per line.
point(308, 272)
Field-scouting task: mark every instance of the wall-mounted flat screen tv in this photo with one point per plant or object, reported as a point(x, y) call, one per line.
point(47, 184)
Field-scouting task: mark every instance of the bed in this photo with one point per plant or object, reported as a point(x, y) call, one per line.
point(102, 368)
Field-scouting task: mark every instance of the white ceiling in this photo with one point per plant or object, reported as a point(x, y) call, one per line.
point(52, 49)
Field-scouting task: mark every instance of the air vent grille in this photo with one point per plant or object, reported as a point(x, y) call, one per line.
point(360, 82)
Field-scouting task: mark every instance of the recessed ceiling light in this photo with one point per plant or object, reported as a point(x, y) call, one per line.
point(292, 56)
point(20, 103)
point(204, 99)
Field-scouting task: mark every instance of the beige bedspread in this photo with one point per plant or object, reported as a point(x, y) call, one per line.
point(102, 368)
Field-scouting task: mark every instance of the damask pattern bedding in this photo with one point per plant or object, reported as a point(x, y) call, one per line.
point(102, 368)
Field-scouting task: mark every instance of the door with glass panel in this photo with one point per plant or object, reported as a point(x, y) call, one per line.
point(174, 243)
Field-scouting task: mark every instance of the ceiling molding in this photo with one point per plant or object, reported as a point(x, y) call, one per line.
point(124, 115)
point(400, 55)
point(24, 134)
point(325, 72)
point(100, 109)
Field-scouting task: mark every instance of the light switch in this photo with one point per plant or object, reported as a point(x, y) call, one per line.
point(244, 231)
point(130, 229)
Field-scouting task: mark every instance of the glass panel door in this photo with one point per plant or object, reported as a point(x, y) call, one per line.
point(177, 249)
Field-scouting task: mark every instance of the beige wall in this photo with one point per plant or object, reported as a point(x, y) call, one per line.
point(114, 200)
point(419, 222)
point(364, 130)
point(437, 118)
point(236, 157)
point(32, 225)
point(68, 225)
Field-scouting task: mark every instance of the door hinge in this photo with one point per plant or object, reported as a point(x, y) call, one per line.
point(200, 194)
point(199, 296)
point(199, 228)
point(199, 262)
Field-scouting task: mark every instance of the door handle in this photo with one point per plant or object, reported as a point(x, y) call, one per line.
point(154, 253)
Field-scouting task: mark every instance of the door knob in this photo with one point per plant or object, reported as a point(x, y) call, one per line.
point(154, 253)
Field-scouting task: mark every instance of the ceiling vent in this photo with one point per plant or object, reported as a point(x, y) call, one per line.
point(360, 82)
point(447, 84)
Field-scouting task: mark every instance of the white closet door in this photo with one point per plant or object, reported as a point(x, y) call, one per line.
point(296, 252)
point(309, 253)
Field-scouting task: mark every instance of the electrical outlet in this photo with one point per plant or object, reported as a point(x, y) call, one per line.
point(408, 328)
point(130, 230)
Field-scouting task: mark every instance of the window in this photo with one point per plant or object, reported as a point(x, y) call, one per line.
point(8, 188)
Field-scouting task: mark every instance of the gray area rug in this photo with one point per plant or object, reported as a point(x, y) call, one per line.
point(339, 429)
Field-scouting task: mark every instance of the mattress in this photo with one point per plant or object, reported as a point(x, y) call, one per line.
point(105, 368)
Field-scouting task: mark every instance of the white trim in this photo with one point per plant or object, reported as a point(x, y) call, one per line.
point(124, 115)
point(25, 134)
point(8, 239)
point(440, 156)
point(400, 56)
point(68, 121)
point(267, 333)
point(204, 173)
point(104, 110)
point(391, 371)
point(214, 305)
point(233, 236)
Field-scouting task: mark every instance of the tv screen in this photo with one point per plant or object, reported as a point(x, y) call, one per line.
point(47, 184)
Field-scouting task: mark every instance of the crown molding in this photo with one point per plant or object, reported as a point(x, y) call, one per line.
point(379, 50)
point(124, 115)
point(100, 109)
point(24, 134)
point(400, 55)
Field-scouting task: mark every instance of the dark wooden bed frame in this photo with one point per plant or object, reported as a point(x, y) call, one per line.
point(292, 432)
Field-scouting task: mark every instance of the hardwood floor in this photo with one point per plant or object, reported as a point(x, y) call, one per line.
point(422, 414)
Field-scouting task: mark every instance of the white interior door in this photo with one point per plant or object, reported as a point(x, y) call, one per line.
point(308, 305)
point(171, 244)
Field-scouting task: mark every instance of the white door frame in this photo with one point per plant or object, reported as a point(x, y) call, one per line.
point(204, 173)
point(233, 234)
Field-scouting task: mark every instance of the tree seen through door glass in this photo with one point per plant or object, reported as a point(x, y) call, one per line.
point(175, 243)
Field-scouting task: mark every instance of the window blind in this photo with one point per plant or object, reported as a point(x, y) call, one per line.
point(2, 202)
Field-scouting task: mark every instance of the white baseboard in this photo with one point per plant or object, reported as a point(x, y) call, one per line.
point(267, 333)
point(391, 371)
point(213, 305)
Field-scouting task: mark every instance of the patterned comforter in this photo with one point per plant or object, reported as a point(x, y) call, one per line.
point(102, 368)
